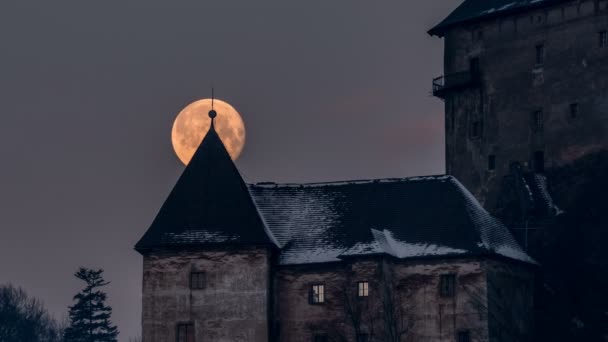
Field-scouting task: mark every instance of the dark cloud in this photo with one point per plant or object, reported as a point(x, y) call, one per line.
point(328, 90)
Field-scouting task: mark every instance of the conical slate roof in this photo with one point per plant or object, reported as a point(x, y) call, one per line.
point(209, 205)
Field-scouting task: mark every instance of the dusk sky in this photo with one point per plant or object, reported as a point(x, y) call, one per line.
point(328, 90)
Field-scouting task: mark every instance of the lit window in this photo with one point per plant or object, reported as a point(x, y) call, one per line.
point(464, 336)
point(603, 39)
point(197, 280)
point(537, 121)
point(317, 294)
point(362, 289)
point(574, 110)
point(320, 338)
point(185, 332)
point(540, 54)
point(447, 285)
point(491, 162)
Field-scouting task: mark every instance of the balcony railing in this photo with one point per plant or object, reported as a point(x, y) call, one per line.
point(443, 84)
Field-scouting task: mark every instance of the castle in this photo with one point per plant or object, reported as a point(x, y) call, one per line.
point(413, 259)
point(378, 260)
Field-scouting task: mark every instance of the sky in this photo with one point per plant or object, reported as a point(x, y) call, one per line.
point(328, 90)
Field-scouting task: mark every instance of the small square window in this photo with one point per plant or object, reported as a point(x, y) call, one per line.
point(447, 285)
point(574, 110)
point(537, 121)
point(362, 289)
point(362, 337)
point(464, 336)
point(198, 280)
point(317, 294)
point(540, 54)
point(320, 338)
point(185, 332)
point(491, 162)
point(603, 39)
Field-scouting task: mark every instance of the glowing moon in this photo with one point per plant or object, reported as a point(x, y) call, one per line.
point(193, 122)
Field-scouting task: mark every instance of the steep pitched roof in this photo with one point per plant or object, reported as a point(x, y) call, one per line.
point(404, 218)
point(473, 10)
point(210, 204)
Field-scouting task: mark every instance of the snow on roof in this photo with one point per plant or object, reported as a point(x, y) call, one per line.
point(404, 218)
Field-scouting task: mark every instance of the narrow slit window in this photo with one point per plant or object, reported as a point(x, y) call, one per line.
point(362, 338)
point(317, 294)
point(540, 54)
point(320, 338)
point(574, 110)
point(464, 336)
point(539, 161)
point(492, 162)
point(447, 285)
point(185, 332)
point(537, 120)
point(603, 39)
point(198, 280)
point(476, 129)
point(363, 289)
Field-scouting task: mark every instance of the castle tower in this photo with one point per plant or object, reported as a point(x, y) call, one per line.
point(524, 91)
point(207, 257)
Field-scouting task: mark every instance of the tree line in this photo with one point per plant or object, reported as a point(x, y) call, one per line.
point(24, 319)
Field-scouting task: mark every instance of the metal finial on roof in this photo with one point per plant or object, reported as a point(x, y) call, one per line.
point(212, 112)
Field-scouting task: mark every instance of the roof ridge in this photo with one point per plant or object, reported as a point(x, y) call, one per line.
point(350, 182)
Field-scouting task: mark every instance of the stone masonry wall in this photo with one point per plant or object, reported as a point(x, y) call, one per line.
point(514, 87)
point(418, 311)
point(232, 306)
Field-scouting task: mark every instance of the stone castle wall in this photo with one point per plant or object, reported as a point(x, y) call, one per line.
point(232, 306)
point(513, 87)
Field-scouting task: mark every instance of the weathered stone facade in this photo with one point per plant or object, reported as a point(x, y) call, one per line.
point(525, 87)
point(491, 301)
point(232, 306)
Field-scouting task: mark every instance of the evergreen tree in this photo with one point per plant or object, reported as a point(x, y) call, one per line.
point(90, 316)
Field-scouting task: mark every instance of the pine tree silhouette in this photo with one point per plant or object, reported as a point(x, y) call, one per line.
point(90, 316)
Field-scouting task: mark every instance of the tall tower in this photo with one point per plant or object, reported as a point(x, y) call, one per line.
point(524, 89)
point(207, 256)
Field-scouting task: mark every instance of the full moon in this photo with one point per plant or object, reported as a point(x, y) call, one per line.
point(193, 122)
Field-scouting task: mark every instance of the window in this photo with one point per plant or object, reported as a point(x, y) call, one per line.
point(198, 280)
point(574, 110)
point(447, 285)
point(464, 336)
point(317, 294)
point(320, 338)
point(491, 162)
point(362, 289)
point(539, 161)
point(362, 337)
point(603, 39)
point(476, 129)
point(185, 332)
point(540, 54)
point(537, 121)
point(474, 67)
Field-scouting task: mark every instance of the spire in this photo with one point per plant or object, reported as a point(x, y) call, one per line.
point(209, 205)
